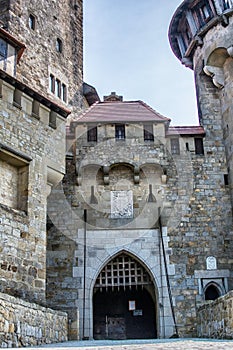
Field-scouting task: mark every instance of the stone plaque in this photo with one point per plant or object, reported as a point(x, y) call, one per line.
point(121, 204)
point(211, 263)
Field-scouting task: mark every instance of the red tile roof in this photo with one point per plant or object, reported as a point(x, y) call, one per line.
point(115, 112)
point(185, 130)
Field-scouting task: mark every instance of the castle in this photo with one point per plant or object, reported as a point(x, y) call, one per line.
point(114, 224)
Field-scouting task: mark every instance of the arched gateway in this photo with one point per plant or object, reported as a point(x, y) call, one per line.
point(124, 301)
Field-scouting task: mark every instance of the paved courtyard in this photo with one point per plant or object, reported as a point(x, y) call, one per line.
point(157, 344)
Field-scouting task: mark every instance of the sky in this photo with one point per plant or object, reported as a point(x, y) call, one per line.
point(126, 50)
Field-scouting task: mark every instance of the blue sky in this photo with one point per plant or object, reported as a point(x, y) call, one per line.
point(126, 49)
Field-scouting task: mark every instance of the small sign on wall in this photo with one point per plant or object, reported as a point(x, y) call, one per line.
point(211, 263)
point(121, 204)
point(132, 305)
point(137, 312)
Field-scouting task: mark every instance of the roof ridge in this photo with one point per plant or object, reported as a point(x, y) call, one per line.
point(153, 110)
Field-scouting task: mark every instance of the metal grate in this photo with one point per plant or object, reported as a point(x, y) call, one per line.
point(122, 271)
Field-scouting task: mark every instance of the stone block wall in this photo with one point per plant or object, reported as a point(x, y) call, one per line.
point(32, 154)
point(8, 189)
point(24, 324)
point(215, 318)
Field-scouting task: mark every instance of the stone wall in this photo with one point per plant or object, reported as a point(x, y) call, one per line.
point(25, 324)
point(215, 318)
point(32, 154)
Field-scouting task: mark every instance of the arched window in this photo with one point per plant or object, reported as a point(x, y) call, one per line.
point(212, 292)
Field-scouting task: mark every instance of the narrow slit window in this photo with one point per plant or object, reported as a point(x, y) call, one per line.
point(58, 88)
point(32, 22)
point(3, 49)
point(58, 45)
point(64, 92)
point(52, 83)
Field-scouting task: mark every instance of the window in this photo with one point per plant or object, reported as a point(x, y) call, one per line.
point(227, 4)
point(64, 93)
point(199, 148)
point(31, 22)
point(58, 88)
point(3, 49)
point(120, 132)
point(92, 134)
point(226, 180)
point(52, 83)
point(148, 132)
point(203, 12)
point(175, 146)
point(13, 180)
point(58, 45)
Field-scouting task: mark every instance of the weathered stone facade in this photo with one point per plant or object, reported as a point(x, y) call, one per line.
point(201, 37)
point(139, 232)
point(52, 34)
point(184, 183)
point(32, 159)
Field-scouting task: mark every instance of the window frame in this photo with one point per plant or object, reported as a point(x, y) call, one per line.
point(92, 133)
point(199, 146)
point(118, 129)
point(57, 88)
point(175, 145)
point(3, 49)
point(59, 45)
point(32, 21)
point(148, 132)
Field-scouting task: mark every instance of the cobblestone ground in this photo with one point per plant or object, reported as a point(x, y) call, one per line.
point(176, 344)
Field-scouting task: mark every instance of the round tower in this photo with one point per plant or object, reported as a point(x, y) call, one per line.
point(200, 35)
point(52, 32)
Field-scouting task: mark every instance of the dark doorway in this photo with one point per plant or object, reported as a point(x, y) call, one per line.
point(212, 292)
point(114, 320)
point(124, 301)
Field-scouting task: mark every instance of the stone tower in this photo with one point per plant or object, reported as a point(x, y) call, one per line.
point(201, 37)
point(52, 33)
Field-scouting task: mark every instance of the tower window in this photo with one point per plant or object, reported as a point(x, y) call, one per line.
point(64, 92)
point(58, 88)
point(3, 49)
point(32, 22)
point(175, 146)
point(199, 148)
point(58, 45)
point(120, 132)
point(227, 4)
point(148, 132)
point(52, 83)
point(205, 12)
